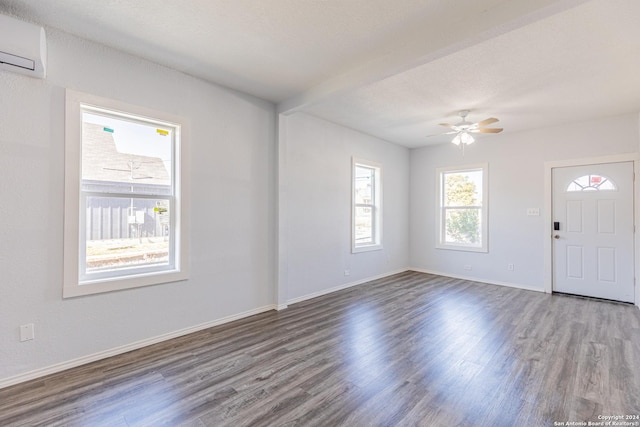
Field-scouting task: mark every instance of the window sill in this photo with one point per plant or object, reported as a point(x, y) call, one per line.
point(122, 283)
point(367, 248)
point(463, 248)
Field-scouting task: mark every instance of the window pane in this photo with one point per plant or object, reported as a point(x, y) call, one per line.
point(120, 155)
point(364, 183)
point(591, 183)
point(363, 225)
point(123, 233)
point(462, 226)
point(462, 188)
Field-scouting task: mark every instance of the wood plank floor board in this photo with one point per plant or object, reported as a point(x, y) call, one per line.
point(284, 374)
point(173, 412)
point(624, 382)
point(310, 413)
point(412, 349)
point(342, 412)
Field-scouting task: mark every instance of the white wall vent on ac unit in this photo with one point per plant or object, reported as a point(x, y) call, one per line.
point(23, 47)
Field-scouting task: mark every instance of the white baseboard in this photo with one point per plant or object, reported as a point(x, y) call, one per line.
point(344, 286)
point(125, 348)
point(476, 279)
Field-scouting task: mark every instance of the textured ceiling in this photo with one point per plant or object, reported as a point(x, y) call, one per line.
point(271, 48)
point(393, 69)
point(577, 65)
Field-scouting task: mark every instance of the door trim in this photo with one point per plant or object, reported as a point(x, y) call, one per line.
point(548, 218)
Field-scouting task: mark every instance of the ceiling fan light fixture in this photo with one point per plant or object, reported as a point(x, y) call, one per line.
point(463, 138)
point(463, 129)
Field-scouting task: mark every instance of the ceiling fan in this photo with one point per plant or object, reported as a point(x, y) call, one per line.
point(464, 129)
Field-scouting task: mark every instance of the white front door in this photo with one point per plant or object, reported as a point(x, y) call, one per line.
point(593, 242)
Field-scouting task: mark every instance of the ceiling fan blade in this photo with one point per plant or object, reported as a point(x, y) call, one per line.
point(447, 125)
point(487, 130)
point(438, 134)
point(488, 121)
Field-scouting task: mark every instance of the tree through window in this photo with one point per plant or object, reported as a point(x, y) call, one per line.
point(462, 220)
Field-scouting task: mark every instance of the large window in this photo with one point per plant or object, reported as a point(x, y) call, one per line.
point(462, 208)
point(366, 209)
point(123, 197)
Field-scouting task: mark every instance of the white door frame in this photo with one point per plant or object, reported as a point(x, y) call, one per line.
point(548, 218)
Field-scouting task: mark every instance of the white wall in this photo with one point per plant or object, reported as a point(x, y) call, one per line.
point(315, 207)
point(232, 170)
point(516, 182)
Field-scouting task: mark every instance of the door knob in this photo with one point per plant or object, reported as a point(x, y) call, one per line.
point(557, 236)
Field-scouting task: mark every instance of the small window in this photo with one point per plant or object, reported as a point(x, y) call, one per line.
point(591, 183)
point(366, 209)
point(123, 204)
point(462, 208)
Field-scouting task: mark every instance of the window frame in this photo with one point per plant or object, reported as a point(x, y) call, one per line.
point(375, 205)
point(75, 283)
point(483, 208)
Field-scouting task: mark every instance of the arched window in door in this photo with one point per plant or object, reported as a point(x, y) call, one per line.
point(592, 183)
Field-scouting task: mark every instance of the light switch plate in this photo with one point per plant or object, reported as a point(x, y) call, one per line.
point(26, 332)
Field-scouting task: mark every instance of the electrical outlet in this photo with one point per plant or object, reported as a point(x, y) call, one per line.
point(467, 267)
point(510, 267)
point(26, 332)
point(347, 272)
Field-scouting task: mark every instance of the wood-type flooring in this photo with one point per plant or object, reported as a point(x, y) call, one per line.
point(411, 349)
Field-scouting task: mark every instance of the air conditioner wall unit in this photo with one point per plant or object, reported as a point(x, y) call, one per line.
point(23, 47)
